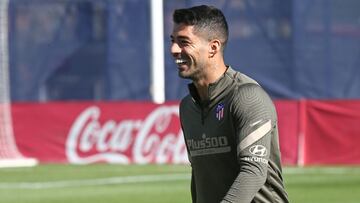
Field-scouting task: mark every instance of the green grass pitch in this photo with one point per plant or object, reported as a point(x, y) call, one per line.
point(157, 184)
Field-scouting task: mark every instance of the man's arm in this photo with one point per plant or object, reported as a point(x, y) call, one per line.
point(193, 187)
point(254, 118)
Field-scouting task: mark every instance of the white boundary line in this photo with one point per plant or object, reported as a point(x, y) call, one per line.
point(323, 170)
point(96, 182)
point(146, 178)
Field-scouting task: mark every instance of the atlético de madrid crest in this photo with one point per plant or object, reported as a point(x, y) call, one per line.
point(220, 111)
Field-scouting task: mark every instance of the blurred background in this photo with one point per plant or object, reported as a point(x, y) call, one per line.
point(101, 50)
point(63, 58)
point(78, 86)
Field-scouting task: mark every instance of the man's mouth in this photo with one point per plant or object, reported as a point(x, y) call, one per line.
point(180, 61)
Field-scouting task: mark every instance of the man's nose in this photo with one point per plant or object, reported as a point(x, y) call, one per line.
point(175, 49)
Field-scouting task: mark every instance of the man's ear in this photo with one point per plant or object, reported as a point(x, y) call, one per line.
point(214, 47)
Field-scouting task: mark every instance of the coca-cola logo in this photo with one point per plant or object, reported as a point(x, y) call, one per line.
point(153, 139)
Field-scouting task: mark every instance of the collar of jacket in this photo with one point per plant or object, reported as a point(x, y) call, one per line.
point(216, 89)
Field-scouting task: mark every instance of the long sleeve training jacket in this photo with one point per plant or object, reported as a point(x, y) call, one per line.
point(232, 142)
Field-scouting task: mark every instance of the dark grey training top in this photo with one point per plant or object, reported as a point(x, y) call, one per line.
point(232, 141)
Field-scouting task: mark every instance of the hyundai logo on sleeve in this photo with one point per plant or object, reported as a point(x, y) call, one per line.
point(258, 150)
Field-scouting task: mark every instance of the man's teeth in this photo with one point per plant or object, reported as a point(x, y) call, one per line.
point(180, 61)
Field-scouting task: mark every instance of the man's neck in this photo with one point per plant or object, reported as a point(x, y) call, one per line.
point(202, 90)
point(202, 85)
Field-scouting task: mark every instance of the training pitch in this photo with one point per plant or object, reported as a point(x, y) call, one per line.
point(157, 184)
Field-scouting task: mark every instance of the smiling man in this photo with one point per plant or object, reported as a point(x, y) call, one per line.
point(228, 120)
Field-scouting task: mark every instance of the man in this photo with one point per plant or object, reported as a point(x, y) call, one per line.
point(229, 122)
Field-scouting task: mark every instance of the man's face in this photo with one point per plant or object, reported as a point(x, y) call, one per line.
point(190, 52)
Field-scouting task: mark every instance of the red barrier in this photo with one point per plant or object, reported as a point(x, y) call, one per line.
point(332, 132)
point(87, 132)
point(288, 121)
point(311, 132)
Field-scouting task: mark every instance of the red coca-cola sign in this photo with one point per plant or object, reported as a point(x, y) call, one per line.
point(156, 138)
point(114, 132)
point(111, 132)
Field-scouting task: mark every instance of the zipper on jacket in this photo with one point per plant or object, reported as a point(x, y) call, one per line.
point(204, 106)
point(202, 116)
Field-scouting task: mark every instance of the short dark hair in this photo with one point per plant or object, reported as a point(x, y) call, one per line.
point(206, 20)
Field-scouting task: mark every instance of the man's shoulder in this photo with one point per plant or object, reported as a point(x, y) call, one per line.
point(186, 100)
point(242, 82)
point(240, 78)
point(246, 87)
point(252, 97)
